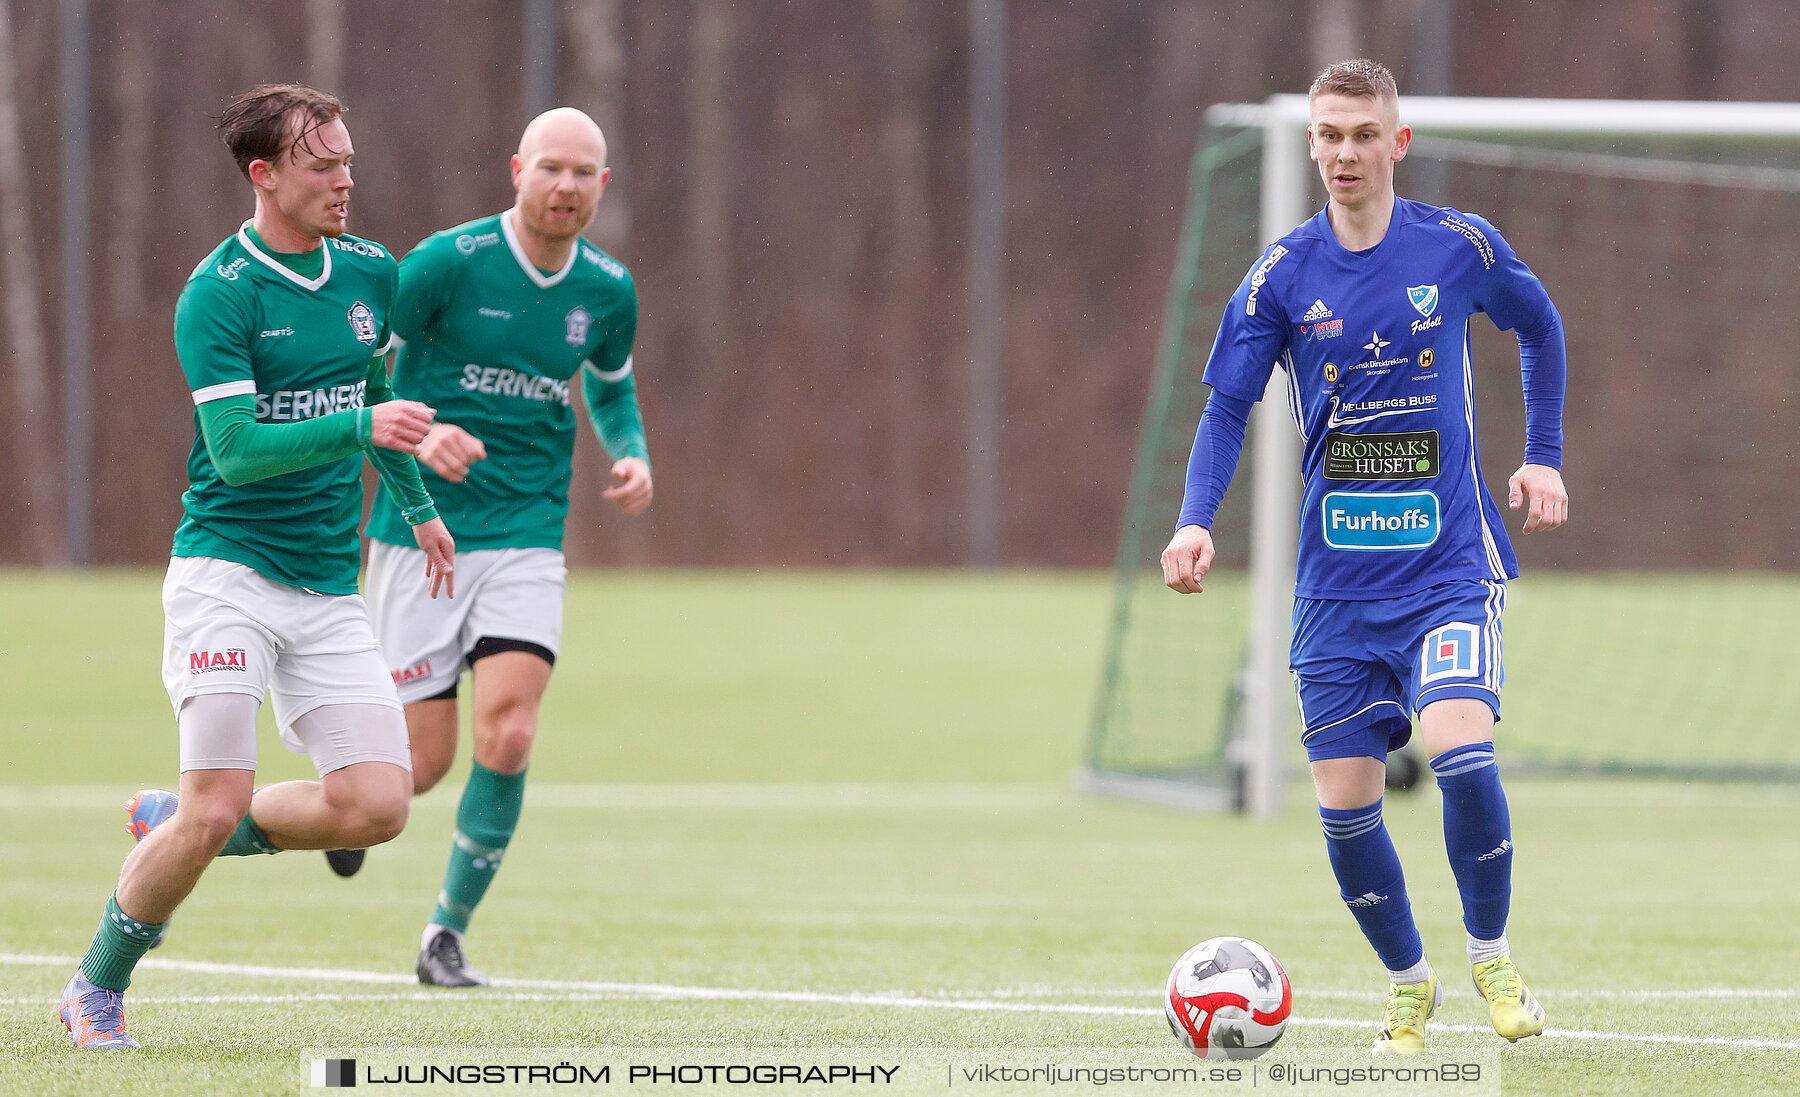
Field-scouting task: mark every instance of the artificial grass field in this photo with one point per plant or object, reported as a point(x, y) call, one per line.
point(795, 813)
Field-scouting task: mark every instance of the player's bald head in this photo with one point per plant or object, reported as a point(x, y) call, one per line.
point(562, 128)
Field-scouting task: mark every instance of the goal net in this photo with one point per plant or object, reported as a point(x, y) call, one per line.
point(1655, 633)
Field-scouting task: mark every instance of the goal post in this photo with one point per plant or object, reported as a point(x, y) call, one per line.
point(1231, 746)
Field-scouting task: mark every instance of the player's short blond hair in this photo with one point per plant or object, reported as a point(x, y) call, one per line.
point(1358, 78)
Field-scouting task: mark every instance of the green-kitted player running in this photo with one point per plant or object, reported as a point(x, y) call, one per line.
point(498, 316)
point(282, 333)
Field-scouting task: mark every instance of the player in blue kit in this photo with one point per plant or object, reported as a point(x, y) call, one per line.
point(1403, 556)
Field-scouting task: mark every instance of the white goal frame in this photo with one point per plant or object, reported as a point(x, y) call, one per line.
point(1262, 737)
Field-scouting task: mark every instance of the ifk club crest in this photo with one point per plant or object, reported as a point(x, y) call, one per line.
point(1424, 298)
point(576, 326)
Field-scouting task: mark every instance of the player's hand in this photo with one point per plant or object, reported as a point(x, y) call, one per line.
point(400, 424)
point(440, 556)
point(1187, 559)
point(1538, 488)
point(631, 485)
point(449, 450)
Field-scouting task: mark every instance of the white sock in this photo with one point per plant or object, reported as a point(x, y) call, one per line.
point(1418, 973)
point(1480, 952)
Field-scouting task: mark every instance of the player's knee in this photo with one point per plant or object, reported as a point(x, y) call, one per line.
point(510, 750)
point(209, 824)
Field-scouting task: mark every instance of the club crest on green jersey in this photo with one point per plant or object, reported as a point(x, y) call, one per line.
point(576, 326)
point(362, 322)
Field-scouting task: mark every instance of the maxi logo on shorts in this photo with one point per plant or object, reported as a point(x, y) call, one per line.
point(206, 662)
point(1380, 521)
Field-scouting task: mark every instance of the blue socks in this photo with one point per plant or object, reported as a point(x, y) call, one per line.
point(1478, 836)
point(1373, 887)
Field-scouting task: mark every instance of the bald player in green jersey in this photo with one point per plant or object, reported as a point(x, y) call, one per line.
point(281, 333)
point(498, 316)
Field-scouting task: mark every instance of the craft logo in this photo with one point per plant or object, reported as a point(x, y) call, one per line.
point(229, 271)
point(576, 325)
point(1380, 521)
point(1407, 455)
point(362, 322)
point(1453, 651)
point(1423, 298)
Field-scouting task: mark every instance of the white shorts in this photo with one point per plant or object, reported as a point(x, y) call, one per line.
point(506, 594)
point(229, 629)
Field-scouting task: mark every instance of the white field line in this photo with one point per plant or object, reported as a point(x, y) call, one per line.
point(576, 991)
point(656, 797)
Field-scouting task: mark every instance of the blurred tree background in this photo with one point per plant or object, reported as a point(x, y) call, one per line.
point(792, 193)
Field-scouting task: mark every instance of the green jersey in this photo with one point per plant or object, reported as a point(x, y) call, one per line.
point(283, 356)
point(494, 344)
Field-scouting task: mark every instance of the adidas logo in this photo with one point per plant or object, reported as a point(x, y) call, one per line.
point(1501, 850)
point(1369, 900)
point(1317, 312)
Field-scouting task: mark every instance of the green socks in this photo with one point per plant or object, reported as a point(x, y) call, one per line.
point(247, 840)
point(485, 821)
point(118, 944)
point(122, 940)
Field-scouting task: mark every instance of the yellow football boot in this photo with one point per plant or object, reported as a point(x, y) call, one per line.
point(1409, 1007)
point(1515, 1013)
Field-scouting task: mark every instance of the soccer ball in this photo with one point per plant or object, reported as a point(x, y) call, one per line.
point(1228, 998)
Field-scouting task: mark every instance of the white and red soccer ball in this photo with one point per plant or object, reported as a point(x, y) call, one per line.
point(1228, 998)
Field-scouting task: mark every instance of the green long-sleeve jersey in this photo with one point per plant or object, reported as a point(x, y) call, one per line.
point(283, 356)
point(494, 344)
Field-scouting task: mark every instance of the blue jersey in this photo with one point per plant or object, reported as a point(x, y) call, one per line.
point(1376, 347)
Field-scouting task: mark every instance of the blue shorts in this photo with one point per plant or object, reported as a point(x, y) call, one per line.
point(1362, 669)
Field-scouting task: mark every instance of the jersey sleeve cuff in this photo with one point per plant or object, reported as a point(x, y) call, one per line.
point(219, 392)
point(619, 374)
